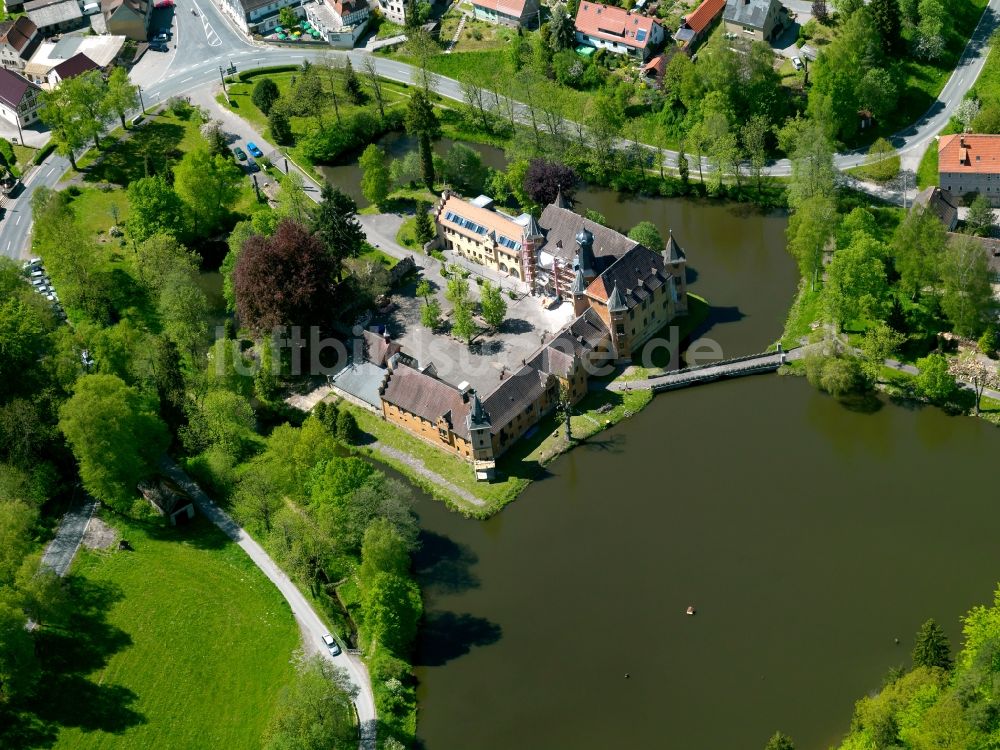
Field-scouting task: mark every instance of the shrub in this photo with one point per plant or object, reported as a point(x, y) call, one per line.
point(347, 427)
point(44, 151)
point(988, 342)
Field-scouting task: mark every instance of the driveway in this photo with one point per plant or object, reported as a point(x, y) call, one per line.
point(309, 622)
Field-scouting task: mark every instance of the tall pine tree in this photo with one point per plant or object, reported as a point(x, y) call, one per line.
point(886, 15)
point(932, 648)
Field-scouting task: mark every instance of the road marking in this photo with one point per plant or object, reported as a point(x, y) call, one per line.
point(17, 220)
point(187, 79)
point(8, 244)
point(51, 170)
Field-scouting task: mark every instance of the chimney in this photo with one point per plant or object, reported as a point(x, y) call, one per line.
point(385, 335)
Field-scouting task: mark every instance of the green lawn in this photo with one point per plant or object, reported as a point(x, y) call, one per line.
point(804, 311)
point(927, 172)
point(121, 160)
point(95, 209)
point(458, 472)
point(197, 645)
point(407, 234)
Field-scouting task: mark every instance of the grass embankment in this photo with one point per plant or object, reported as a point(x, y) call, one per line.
point(806, 309)
point(198, 641)
point(597, 411)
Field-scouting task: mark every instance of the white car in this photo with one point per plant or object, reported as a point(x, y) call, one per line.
point(331, 644)
point(796, 63)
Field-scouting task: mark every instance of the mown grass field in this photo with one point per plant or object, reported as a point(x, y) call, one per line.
point(205, 644)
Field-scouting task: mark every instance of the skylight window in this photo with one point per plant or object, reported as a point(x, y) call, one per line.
point(640, 35)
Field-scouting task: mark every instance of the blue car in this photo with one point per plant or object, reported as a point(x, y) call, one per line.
point(252, 148)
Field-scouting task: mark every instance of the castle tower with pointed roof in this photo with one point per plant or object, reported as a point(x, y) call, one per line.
point(480, 428)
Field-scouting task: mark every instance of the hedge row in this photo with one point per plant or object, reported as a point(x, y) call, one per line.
point(246, 75)
point(43, 152)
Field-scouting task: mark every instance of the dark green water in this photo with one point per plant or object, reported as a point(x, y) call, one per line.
point(807, 535)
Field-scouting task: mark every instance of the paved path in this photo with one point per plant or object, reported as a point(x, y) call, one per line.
point(418, 466)
point(309, 622)
point(62, 549)
point(911, 370)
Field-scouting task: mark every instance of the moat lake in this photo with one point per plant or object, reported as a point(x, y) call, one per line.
point(808, 535)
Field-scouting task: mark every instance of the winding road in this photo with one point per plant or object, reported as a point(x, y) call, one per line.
point(209, 40)
point(311, 625)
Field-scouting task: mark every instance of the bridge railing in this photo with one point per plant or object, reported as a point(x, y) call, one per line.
point(720, 363)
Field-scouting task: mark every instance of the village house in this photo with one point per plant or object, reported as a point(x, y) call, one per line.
point(969, 165)
point(340, 22)
point(762, 20)
point(940, 203)
point(19, 38)
point(53, 16)
point(72, 67)
point(476, 230)
point(394, 10)
point(617, 30)
point(513, 13)
point(256, 16)
point(695, 25)
point(129, 18)
point(18, 99)
point(104, 51)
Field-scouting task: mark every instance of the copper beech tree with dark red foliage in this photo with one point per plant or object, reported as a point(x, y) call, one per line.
point(285, 279)
point(544, 180)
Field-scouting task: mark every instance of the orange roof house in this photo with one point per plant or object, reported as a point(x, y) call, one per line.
point(617, 30)
point(695, 25)
point(970, 164)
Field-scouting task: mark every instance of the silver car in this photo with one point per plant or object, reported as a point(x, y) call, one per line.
point(331, 644)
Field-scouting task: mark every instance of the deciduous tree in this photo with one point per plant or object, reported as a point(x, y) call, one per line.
point(209, 185)
point(374, 175)
point(980, 219)
point(646, 233)
point(966, 293)
point(122, 95)
point(116, 436)
point(315, 712)
point(154, 208)
point(285, 279)
point(917, 248)
point(493, 305)
point(934, 382)
point(543, 181)
point(879, 343)
point(392, 608)
point(970, 368)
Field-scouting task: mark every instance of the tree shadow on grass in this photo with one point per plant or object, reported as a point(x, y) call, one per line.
point(67, 695)
point(152, 146)
point(445, 636)
point(199, 532)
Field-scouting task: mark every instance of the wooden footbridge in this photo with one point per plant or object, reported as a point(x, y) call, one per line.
point(730, 368)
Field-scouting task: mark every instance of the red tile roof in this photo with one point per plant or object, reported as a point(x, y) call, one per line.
point(656, 65)
point(698, 19)
point(614, 24)
point(512, 8)
point(969, 154)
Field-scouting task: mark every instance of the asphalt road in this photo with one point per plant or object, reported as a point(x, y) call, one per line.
point(207, 39)
point(309, 622)
point(204, 42)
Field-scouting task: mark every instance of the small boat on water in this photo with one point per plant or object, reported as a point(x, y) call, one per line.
point(690, 610)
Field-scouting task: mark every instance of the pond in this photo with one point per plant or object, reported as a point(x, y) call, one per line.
point(808, 536)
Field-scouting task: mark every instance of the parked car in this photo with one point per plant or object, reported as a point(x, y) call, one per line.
point(240, 153)
point(254, 151)
point(796, 63)
point(252, 165)
point(331, 644)
point(156, 47)
point(164, 4)
point(161, 38)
